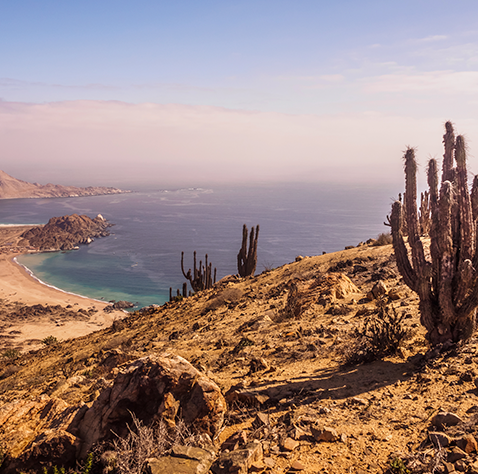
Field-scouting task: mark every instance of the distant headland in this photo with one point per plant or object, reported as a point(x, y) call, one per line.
point(12, 188)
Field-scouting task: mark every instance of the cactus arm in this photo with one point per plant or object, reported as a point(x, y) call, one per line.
point(188, 274)
point(418, 254)
point(247, 259)
point(449, 143)
point(467, 233)
point(445, 244)
point(432, 179)
point(403, 262)
point(242, 255)
point(474, 198)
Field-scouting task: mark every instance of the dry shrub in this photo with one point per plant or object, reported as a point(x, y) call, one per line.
point(385, 238)
point(144, 442)
point(380, 335)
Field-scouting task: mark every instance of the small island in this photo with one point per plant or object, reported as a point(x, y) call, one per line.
point(12, 188)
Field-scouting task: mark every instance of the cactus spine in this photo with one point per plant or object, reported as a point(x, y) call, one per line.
point(202, 277)
point(247, 259)
point(447, 282)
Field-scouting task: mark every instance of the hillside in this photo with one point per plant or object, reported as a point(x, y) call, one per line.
point(293, 405)
point(12, 188)
point(66, 232)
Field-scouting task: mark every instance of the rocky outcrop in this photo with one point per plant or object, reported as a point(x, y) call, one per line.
point(36, 431)
point(47, 431)
point(64, 233)
point(12, 188)
point(153, 388)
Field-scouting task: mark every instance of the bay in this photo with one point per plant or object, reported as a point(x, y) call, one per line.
point(140, 261)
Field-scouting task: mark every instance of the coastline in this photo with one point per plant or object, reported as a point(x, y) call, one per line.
point(32, 275)
point(67, 315)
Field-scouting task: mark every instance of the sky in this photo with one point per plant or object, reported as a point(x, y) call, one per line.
point(204, 91)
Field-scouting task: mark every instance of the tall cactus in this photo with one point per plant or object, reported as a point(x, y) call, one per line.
point(447, 281)
point(202, 277)
point(247, 259)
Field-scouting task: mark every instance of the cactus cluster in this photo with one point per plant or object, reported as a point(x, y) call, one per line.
point(247, 259)
point(201, 278)
point(445, 276)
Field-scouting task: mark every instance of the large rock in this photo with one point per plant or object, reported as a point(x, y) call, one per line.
point(64, 233)
point(324, 290)
point(155, 387)
point(238, 461)
point(182, 460)
point(37, 435)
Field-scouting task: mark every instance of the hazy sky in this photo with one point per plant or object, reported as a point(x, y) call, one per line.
point(196, 91)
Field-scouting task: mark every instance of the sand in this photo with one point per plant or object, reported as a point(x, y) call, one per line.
point(18, 289)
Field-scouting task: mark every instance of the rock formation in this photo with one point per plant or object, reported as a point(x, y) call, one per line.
point(153, 388)
point(64, 233)
point(46, 430)
point(12, 188)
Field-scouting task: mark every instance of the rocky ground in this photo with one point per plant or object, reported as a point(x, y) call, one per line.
point(285, 350)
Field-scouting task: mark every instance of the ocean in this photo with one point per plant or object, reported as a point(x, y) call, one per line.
point(141, 258)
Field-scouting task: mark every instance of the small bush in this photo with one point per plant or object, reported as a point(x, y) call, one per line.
point(144, 442)
point(397, 466)
point(381, 335)
point(50, 341)
point(86, 469)
point(385, 238)
point(11, 354)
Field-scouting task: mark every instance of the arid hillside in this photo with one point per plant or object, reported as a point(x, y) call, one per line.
point(12, 188)
point(287, 350)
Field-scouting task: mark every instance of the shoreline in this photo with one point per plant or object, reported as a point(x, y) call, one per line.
point(31, 310)
point(32, 275)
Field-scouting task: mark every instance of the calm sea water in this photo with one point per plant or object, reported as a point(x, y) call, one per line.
point(141, 259)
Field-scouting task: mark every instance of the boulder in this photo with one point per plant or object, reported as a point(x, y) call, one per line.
point(50, 448)
point(325, 433)
point(378, 290)
point(183, 460)
point(238, 461)
point(154, 388)
point(37, 431)
point(442, 419)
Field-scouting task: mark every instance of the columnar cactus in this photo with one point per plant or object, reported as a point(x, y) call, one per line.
point(202, 278)
point(424, 217)
point(247, 260)
point(447, 281)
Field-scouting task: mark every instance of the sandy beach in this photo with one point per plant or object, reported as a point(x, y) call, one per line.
point(63, 315)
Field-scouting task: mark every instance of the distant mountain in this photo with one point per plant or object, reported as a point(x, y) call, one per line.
point(12, 188)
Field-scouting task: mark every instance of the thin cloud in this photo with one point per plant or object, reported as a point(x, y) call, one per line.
point(444, 82)
point(432, 38)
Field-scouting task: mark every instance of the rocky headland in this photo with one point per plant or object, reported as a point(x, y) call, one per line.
point(65, 233)
point(260, 374)
point(12, 188)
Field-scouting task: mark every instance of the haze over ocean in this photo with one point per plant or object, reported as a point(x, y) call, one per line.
point(141, 259)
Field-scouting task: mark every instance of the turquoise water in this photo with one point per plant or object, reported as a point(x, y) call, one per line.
point(141, 259)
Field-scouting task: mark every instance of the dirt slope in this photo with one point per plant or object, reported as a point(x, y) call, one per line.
point(270, 358)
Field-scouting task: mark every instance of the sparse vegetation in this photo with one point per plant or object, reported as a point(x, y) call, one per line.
point(380, 335)
point(50, 341)
point(385, 238)
point(397, 466)
point(144, 442)
point(11, 354)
